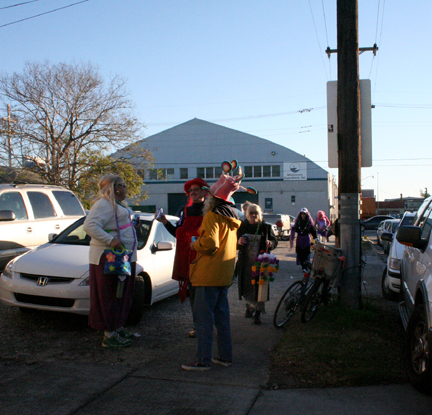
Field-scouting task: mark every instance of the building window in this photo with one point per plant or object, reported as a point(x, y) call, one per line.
point(153, 174)
point(162, 174)
point(293, 199)
point(262, 171)
point(209, 172)
point(257, 171)
point(184, 173)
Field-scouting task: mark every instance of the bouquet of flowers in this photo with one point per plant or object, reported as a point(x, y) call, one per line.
point(263, 270)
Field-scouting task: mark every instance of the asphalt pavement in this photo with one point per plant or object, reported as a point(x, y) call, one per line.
point(162, 387)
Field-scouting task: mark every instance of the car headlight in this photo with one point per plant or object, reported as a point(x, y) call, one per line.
point(7, 272)
point(395, 264)
point(84, 283)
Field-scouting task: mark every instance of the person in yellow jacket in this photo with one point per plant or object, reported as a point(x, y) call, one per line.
point(212, 273)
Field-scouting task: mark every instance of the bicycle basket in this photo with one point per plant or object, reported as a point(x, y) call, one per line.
point(326, 258)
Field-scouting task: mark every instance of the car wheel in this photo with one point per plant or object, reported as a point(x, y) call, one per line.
point(418, 351)
point(137, 309)
point(387, 293)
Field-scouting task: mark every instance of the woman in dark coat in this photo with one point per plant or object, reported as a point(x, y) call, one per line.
point(304, 228)
point(254, 236)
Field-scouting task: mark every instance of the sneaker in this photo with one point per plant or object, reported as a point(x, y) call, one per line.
point(125, 334)
point(195, 366)
point(192, 333)
point(222, 362)
point(115, 341)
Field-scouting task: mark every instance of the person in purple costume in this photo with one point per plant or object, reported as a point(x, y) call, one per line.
point(304, 228)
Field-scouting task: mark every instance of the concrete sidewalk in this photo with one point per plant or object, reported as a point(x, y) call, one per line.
point(161, 387)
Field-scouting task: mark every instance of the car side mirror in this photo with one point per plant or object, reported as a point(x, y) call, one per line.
point(387, 236)
point(411, 236)
point(7, 215)
point(162, 246)
point(51, 236)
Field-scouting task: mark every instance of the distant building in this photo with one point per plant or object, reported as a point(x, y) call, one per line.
point(368, 204)
point(397, 207)
point(285, 180)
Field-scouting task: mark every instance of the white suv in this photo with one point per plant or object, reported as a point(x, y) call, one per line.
point(29, 213)
point(416, 288)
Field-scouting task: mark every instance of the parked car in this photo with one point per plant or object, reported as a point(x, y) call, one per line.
point(390, 226)
point(29, 212)
point(55, 276)
point(380, 230)
point(373, 222)
point(390, 282)
point(281, 224)
point(416, 290)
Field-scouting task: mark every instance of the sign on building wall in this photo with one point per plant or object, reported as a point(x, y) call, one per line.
point(295, 171)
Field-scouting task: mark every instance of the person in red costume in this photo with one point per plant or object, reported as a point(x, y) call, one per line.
point(191, 217)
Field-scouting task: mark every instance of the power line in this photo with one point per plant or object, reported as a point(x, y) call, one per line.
point(319, 44)
point(326, 32)
point(42, 14)
point(18, 4)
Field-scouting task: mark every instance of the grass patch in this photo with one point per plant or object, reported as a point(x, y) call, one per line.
point(341, 347)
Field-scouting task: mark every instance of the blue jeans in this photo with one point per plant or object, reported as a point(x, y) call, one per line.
point(211, 308)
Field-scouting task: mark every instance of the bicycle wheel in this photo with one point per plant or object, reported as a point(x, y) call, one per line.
point(288, 304)
point(315, 297)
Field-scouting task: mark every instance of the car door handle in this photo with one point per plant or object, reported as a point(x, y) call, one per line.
point(29, 229)
point(57, 226)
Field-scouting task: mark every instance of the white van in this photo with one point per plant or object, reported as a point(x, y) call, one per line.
point(30, 212)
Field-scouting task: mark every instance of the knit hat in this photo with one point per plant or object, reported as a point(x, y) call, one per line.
point(199, 182)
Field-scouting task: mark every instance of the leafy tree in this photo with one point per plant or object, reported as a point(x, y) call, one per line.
point(102, 165)
point(67, 119)
point(424, 193)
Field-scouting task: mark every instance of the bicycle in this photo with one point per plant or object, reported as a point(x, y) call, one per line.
point(293, 299)
point(327, 265)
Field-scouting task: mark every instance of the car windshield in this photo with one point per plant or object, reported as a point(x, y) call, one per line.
point(407, 220)
point(394, 226)
point(75, 235)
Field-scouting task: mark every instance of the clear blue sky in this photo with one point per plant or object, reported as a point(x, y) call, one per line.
point(251, 65)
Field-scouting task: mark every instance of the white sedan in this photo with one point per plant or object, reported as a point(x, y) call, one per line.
point(55, 276)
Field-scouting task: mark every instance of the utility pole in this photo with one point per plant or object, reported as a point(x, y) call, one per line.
point(349, 146)
point(9, 133)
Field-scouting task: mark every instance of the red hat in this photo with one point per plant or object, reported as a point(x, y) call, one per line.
point(199, 182)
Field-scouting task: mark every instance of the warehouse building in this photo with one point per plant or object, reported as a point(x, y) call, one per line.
point(285, 180)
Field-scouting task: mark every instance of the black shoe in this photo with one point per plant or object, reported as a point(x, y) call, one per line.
point(257, 317)
point(249, 313)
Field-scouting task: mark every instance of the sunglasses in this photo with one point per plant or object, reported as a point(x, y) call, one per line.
point(253, 213)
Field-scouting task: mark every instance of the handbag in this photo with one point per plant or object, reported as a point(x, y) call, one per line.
point(118, 262)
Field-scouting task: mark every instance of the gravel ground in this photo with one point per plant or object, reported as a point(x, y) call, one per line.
point(37, 337)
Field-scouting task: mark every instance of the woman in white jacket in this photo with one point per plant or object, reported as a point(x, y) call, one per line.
point(107, 312)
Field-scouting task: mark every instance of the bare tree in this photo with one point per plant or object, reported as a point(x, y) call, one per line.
point(67, 118)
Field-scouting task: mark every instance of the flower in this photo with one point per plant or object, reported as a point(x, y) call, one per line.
point(110, 257)
point(264, 267)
